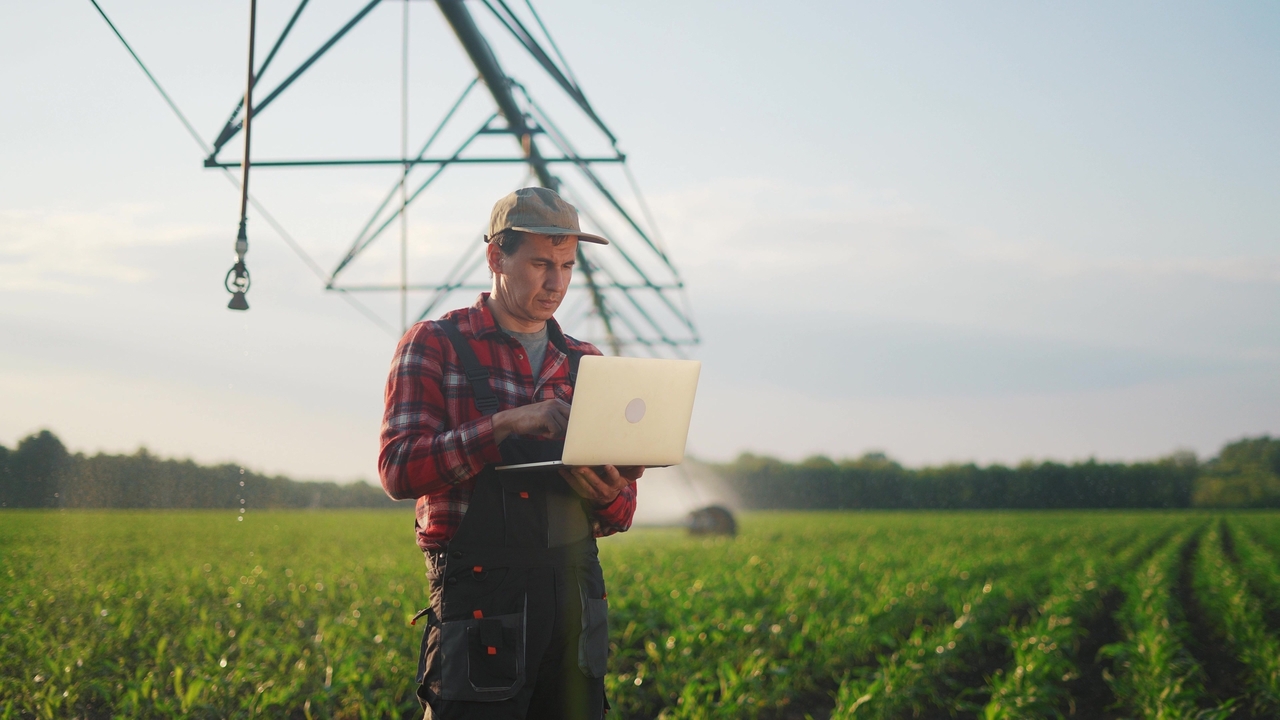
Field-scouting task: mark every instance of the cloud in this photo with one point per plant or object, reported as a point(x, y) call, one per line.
point(1146, 420)
point(62, 251)
point(758, 228)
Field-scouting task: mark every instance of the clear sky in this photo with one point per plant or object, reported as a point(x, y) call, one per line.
point(949, 232)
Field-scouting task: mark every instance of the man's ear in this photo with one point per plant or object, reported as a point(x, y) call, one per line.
point(493, 254)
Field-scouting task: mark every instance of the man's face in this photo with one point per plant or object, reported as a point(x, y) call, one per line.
point(531, 282)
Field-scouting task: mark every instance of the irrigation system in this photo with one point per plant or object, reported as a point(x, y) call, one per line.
point(629, 296)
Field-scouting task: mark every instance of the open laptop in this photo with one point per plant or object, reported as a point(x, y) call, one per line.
point(627, 411)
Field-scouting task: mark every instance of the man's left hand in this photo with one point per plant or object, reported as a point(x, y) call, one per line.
point(600, 490)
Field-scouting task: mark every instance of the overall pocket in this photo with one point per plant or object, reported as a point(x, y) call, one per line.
point(483, 658)
point(593, 643)
point(492, 590)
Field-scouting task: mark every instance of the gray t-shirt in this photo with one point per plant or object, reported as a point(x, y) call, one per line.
point(535, 346)
point(566, 519)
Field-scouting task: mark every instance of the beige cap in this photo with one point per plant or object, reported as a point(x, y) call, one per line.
point(537, 210)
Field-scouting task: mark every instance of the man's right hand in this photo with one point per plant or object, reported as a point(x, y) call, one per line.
point(547, 419)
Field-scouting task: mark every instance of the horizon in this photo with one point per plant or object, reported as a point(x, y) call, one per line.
point(691, 459)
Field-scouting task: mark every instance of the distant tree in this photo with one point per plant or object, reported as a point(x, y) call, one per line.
point(876, 481)
point(40, 473)
point(1245, 474)
point(37, 468)
point(6, 479)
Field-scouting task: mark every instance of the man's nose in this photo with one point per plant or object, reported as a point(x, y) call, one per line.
point(557, 280)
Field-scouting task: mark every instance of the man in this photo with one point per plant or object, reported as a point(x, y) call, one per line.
point(517, 625)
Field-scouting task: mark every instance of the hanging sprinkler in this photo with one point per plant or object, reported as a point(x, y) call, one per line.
point(237, 280)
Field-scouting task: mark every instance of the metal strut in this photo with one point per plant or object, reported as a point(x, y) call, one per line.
point(237, 280)
point(459, 18)
point(204, 148)
point(524, 119)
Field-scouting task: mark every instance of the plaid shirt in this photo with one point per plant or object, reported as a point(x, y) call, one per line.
point(434, 439)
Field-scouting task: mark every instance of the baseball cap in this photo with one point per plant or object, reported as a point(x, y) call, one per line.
point(537, 210)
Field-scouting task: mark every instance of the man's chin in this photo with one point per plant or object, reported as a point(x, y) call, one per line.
point(543, 311)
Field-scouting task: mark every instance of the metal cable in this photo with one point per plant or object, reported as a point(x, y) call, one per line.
point(288, 239)
point(237, 279)
point(356, 244)
point(644, 208)
point(657, 234)
point(568, 70)
point(404, 174)
point(266, 63)
point(530, 43)
point(152, 78)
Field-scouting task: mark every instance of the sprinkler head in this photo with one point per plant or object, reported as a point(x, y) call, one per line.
point(237, 283)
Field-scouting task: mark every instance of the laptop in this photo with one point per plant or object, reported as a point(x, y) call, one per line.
point(627, 411)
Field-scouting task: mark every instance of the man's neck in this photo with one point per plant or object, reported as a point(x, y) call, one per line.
point(510, 322)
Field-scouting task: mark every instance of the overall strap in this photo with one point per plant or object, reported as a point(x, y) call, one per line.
point(477, 374)
point(557, 338)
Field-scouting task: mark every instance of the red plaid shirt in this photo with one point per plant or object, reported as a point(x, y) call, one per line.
point(434, 439)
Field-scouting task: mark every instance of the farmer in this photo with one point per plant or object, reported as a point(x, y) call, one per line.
point(517, 624)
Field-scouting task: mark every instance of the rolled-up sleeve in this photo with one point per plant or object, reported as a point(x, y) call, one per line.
point(616, 516)
point(418, 457)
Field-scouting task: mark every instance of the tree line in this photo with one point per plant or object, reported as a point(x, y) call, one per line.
point(39, 472)
point(1245, 474)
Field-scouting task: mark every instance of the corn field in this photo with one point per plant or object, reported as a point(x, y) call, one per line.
point(825, 615)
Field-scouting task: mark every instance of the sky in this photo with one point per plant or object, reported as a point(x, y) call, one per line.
point(949, 232)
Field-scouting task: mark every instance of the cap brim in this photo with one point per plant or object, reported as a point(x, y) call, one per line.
point(588, 237)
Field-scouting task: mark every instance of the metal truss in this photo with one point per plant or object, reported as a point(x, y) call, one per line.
point(630, 296)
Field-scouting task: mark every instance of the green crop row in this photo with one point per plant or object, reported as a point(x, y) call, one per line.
point(803, 605)
point(196, 614)
point(1046, 648)
point(1236, 615)
point(913, 678)
point(1261, 570)
point(808, 609)
point(1157, 677)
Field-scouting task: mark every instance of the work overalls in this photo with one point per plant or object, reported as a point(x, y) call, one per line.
point(517, 624)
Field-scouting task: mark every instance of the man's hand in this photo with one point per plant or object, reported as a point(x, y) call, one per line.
point(547, 419)
point(600, 490)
